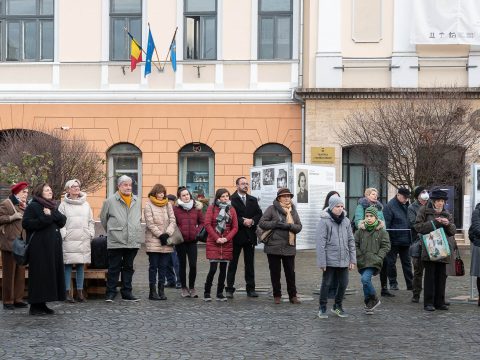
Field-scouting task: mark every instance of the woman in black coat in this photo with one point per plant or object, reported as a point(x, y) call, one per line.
point(43, 221)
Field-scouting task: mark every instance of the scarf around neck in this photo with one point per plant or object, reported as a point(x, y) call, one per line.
point(289, 220)
point(159, 203)
point(337, 218)
point(371, 227)
point(223, 216)
point(49, 204)
point(186, 206)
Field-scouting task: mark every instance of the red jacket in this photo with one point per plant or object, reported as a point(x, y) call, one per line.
point(216, 251)
point(189, 222)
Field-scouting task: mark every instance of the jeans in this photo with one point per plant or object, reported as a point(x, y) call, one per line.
point(249, 260)
point(221, 277)
point(406, 261)
point(80, 275)
point(328, 274)
point(157, 262)
point(366, 279)
point(275, 265)
point(187, 250)
point(120, 261)
point(417, 275)
point(172, 274)
point(434, 283)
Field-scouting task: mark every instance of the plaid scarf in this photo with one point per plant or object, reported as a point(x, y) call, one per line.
point(223, 216)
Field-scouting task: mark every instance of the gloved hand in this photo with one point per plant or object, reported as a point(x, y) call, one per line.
point(163, 238)
point(16, 216)
point(283, 226)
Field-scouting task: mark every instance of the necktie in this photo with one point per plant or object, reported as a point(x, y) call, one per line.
point(244, 200)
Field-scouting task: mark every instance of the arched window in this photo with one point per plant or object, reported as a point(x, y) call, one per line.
point(272, 153)
point(124, 159)
point(196, 167)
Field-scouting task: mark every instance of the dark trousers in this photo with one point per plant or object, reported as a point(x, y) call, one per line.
point(403, 252)
point(434, 283)
point(157, 263)
point(275, 265)
point(172, 272)
point(184, 251)
point(249, 260)
point(383, 274)
point(120, 261)
point(221, 277)
point(13, 280)
point(417, 275)
point(342, 277)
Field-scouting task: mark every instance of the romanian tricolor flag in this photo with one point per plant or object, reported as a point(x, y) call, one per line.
point(135, 54)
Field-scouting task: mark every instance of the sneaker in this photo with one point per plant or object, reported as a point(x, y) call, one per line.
point(220, 297)
point(416, 298)
point(185, 293)
point(394, 287)
point(387, 293)
point(207, 297)
point(429, 308)
point(322, 313)
point(110, 297)
point(338, 310)
point(374, 303)
point(229, 294)
point(252, 294)
point(193, 293)
point(178, 286)
point(130, 297)
point(369, 311)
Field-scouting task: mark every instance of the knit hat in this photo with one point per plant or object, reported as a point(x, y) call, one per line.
point(284, 191)
point(404, 191)
point(171, 197)
point(16, 188)
point(418, 190)
point(372, 210)
point(438, 193)
point(334, 201)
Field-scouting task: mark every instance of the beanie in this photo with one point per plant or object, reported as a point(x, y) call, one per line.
point(334, 201)
point(372, 210)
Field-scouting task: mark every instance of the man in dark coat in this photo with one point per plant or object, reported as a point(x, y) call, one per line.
point(398, 226)
point(249, 214)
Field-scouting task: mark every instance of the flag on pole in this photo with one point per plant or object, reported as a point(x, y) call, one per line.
point(135, 52)
point(150, 49)
point(173, 54)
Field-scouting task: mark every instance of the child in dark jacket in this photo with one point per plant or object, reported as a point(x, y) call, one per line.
point(372, 243)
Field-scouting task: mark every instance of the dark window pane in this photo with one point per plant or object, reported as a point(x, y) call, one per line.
point(355, 185)
point(46, 7)
point(47, 40)
point(125, 162)
point(21, 7)
point(135, 28)
point(126, 6)
point(1, 7)
point(209, 50)
point(200, 5)
point(13, 41)
point(30, 36)
point(119, 40)
point(266, 38)
point(275, 5)
point(283, 37)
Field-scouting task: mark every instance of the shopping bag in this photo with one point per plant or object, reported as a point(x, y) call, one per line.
point(436, 244)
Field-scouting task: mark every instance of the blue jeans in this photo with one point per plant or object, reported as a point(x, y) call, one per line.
point(79, 277)
point(157, 263)
point(366, 279)
point(172, 271)
point(328, 275)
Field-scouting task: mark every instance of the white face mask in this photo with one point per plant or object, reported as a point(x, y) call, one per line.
point(424, 196)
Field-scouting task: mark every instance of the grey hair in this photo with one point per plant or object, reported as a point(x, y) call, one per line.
point(124, 178)
point(72, 182)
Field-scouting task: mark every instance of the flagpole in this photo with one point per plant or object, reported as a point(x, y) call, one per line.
point(169, 48)
point(131, 37)
point(156, 53)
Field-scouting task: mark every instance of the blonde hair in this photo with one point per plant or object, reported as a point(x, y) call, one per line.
point(71, 183)
point(368, 191)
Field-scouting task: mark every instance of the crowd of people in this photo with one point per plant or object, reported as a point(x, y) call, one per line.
point(59, 237)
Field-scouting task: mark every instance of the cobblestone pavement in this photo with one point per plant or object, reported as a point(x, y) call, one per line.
point(245, 328)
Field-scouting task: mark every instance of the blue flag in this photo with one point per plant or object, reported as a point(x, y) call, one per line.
point(173, 54)
point(150, 48)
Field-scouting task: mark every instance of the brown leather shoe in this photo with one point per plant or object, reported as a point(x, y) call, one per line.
point(69, 297)
point(294, 300)
point(277, 299)
point(80, 296)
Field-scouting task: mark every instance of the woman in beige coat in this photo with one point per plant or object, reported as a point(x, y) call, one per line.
point(161, 224)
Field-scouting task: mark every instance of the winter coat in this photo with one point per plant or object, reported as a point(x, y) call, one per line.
point(122, 224)
point(396, 217)
point(335, 242)
point(249, 210)
point(78, 231)
point(372, 246)
point(9, 230)
point(278, 243)
point(474, 230)
point(46, 278)
point(363, 203)
point(190, 222)
point(159, 220)
point(423, 225)
point(216, 251)
point(412, 218)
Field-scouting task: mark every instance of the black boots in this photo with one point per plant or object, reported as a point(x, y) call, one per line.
point(153, 293)
point(161, 292)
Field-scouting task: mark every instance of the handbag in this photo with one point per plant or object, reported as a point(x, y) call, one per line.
point(20, 250)
point(263, 236)
point(202, 235)
point(459, 266)
point(176, 238)
point(436, 244)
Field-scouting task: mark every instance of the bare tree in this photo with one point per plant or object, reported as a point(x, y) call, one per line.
point(426, 140)
point(52, 156)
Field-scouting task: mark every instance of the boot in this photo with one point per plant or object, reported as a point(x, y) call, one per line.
point(153, 293)
point(80, 295)
point(161, 292)
point(69, 297)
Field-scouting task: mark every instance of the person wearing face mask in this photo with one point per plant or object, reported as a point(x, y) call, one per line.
point(282, 218)
point(421, 199)
point(432, 216)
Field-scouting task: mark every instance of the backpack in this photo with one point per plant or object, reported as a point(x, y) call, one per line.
point(99, 253)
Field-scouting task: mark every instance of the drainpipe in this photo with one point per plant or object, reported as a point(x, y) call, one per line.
point(295, 97)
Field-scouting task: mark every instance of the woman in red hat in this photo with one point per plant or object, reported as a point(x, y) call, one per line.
point(11, 214)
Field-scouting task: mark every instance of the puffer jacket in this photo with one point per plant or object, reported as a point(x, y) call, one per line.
point(335, 242)
point(278, 243)
point(78, 231)
point(423, 225)
point(363, 203)
point(121, 222)
point(474, 230)
point(159, 220)
point(9, 230)
point(372, 246)
point(190, 222)
point(216, 251)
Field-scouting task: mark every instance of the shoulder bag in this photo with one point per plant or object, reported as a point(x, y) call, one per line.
point(20, 250)
point(176, 238)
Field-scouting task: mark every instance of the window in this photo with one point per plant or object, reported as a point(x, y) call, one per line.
point(200, 29)
point(124, 14)
point(275, 29)
point(196, 169)
point(357, 177)
point(269, 154)
point(26, 30)
point(124, 159)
